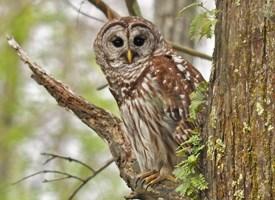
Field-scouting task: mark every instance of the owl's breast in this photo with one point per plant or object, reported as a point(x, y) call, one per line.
point(148, 126)
point(153, 107)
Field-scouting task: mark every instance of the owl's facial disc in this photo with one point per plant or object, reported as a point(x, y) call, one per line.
point(141, 43)
point(125, 45)
point(115, 44)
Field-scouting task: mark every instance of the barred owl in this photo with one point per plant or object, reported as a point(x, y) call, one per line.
point(151, 85)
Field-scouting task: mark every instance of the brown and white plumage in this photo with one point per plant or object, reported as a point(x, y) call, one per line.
point(152, 89)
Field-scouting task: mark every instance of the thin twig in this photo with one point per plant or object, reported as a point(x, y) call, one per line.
point(133, 7)
point(90, 178)
point(107, 11)
point(190, 51)
point(101, 87)
point(48, 160)
point(55, 179)
point(53, 156)
point(83, 13)
point(48, 172)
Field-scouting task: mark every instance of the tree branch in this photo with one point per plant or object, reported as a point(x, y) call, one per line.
point(133, 8)
point(107, 126)
point(103, 7)
point(65, 174)
point(54, 156)
point(190, 51)
point(83, 13)
point(90, 178)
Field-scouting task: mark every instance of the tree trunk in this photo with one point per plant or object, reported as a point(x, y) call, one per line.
point(173, 28)
point(240, 159)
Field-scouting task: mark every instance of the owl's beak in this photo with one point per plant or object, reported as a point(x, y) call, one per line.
point(129, 56)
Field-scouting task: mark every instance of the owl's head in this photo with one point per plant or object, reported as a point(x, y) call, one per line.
point(127, 42)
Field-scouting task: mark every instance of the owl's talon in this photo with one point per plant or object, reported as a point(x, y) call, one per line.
point(171, 178)
point(142, 176)
point(158, 178)
point(153, 177)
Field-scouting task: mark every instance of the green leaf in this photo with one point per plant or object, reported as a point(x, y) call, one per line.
point(203, 25)
point(189, 6)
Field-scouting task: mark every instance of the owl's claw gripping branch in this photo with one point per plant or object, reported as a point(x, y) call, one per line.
point(157, 178)
point(150, 178)
point(142, 176)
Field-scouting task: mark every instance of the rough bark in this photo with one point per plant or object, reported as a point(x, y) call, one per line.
point(240, 161)
point(173, 28)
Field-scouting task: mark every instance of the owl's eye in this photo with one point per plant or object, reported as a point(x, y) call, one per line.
point(118, 42)
point(139, 41)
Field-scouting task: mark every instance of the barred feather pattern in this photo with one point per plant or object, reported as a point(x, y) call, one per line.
point(155, 110)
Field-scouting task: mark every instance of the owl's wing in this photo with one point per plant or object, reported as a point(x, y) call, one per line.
point(177, 79)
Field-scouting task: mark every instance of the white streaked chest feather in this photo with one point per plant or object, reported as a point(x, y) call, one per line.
point(147, 124)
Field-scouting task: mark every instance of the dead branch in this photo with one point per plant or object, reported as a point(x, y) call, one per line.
point(55, 156)
point(90, 178)
point(107, 126)
point(65, 174)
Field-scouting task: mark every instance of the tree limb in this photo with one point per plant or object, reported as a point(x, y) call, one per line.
point(65, 174)
point(107, 126)
point(190, 51)
point(83, 13)
point(54, 156)
point(133, 8)
point(90, 178)
point(105, 9)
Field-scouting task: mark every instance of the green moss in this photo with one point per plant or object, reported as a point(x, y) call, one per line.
point(268, 11)
point(268, 122)
point(213, 118)
point(259, 108)
point(210, 148)
point(239, 194)
point(238, 2)
point(237, 185)
point(246, 127)
point(215, 148)
point(220, 148)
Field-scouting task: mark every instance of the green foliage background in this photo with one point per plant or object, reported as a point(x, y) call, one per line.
point(30, 120)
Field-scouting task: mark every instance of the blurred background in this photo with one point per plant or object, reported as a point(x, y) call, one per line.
point(59, 38)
